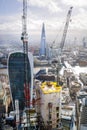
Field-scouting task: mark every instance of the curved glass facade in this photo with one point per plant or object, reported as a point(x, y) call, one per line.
point(17, 74)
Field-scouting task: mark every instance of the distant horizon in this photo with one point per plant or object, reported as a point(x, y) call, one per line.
point(52, 13)
point(9, 38)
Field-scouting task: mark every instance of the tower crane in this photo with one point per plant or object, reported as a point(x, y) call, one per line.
point(57, 63)
point(64, 32)
point(24, 36)
point(27, 84)
point(65, 28)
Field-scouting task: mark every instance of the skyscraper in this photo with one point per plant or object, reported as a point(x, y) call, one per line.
point(16, 70)
point(43, 43)
point(84, 42)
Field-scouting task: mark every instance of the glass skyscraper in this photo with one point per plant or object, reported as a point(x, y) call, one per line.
point(16, 70)
point(43, 42)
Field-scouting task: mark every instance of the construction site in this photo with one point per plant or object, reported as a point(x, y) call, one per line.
point(54, 97)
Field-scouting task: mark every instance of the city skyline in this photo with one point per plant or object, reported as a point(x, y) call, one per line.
point(52, 12)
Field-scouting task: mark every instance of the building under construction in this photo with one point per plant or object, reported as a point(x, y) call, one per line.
point(48, 104)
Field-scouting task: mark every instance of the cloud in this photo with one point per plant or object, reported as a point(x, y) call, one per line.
point(53, 13)
point(79, 21)
point(51, 5)
point(78, 3)
point(10, 24)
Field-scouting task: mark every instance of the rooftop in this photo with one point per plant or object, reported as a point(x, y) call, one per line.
point(50, 87)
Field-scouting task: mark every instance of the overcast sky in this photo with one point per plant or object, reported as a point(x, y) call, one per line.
point(52, 12)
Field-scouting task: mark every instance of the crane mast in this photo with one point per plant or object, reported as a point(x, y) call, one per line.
point(58, 63)
point(24, 36)
point(65, 28)
point(64, 33)
point(24, 39)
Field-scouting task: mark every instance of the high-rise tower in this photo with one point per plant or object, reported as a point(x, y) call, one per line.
point(84, 42)
point(16, 70)
point(43, 43)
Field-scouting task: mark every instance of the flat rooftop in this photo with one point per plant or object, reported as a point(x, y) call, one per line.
point(50, 87)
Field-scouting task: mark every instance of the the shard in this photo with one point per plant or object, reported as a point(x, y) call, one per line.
point(43, 43)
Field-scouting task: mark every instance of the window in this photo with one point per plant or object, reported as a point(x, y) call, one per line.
point(57, 114)
point(57, 108)
point(57, 120)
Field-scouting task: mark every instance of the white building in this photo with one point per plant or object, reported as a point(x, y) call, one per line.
point(50, 103)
